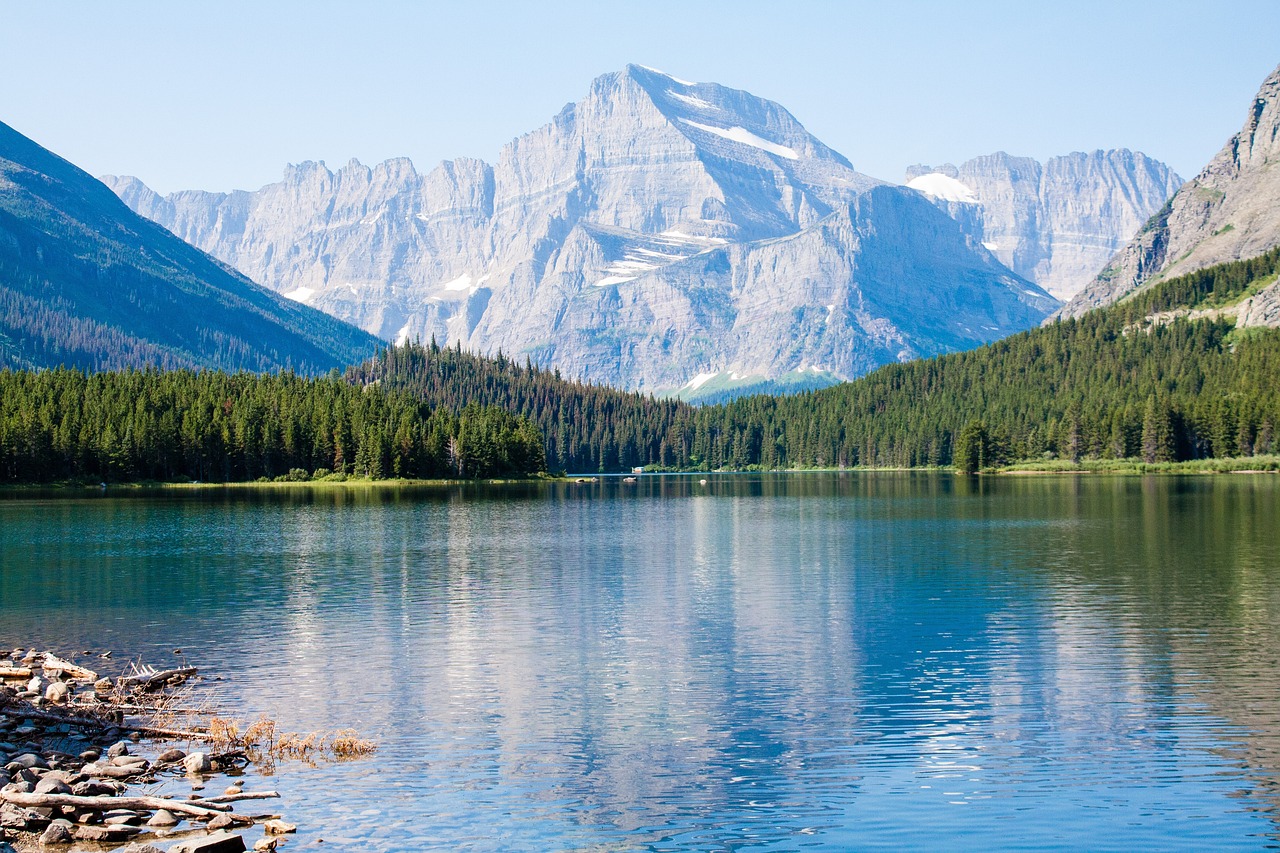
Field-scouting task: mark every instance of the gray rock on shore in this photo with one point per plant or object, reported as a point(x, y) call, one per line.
point(219, 842)
point(197, 762)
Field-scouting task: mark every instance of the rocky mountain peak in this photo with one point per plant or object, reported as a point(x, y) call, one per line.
point(652, 232)
point(920, 170)
point(1230, 211)
point(1058, 222)
point(1258, 142)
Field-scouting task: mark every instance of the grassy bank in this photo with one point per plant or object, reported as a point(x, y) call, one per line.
point(1232, 465)
point(324, 483)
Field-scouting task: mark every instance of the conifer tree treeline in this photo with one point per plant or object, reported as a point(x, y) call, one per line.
point(586, 427)
point(153, 425)
point(1111, 384)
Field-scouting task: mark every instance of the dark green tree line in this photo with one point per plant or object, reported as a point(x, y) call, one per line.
point(167, 425)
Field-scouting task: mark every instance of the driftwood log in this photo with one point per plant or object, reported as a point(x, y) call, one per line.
point(53, 663)
point(147, 683)
point(208, 809)
point(88, 720)
point(243, 795)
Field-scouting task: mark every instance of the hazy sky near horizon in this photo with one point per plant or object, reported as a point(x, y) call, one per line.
point(222, 96)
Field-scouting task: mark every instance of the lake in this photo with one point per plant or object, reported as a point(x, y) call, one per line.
point(764, 662)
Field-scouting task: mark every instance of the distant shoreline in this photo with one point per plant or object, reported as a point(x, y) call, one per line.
point(1228, 465)
point(267, 484)
point(1057, 467)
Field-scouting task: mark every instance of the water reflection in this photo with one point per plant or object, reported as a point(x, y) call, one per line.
point(774, 661)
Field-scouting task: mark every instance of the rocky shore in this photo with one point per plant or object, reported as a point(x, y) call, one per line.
point(80, 756)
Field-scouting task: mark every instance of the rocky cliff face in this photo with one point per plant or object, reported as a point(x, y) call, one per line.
point(655, 231)
point(1056, 223)
point(1230, 211)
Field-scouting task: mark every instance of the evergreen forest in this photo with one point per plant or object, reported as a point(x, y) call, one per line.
point(1143, 379)
point(133, 425)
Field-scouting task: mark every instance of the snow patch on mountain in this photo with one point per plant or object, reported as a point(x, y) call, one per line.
point(668, 76)
point(745, 137)
point(698, 381)
point(941, 186)
point(692, 100)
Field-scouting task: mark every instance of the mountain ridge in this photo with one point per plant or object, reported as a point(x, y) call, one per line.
point(1058, 222)
point(84, 281)
point(625, 241)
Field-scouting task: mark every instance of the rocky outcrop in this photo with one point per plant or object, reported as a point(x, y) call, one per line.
point(655, 230)
point(1228, 212)
point(1261, 309)
point(1056, 223)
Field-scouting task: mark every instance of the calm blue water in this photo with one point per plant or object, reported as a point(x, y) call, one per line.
point(817, 662)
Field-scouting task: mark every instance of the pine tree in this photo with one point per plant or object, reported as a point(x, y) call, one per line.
point(1157, 432)
point(972, 447)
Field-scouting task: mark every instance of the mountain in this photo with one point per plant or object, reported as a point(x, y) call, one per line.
point(86, 282)
point(1230, 211)
point(656, 234)
point(1055, 223)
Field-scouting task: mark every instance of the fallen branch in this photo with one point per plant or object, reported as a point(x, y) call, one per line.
point(99, 722)
point(243, 795)
point(53, 663)
point(71, 719)
point(147, 683)
point(106, 803)
point(126, 708)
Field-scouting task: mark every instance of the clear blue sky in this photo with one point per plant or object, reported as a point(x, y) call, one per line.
point(222, 95)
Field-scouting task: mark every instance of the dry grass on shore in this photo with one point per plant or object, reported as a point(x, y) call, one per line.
point(262, 738)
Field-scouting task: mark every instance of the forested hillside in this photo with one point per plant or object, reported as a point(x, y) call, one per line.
point(587, 427)
point(85, 282)
point(1114, 383)
point(1141, 379)
point(152, 425)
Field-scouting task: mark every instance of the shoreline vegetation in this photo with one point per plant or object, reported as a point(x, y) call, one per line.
point(1269, 464)
point(74, 765)
point(278, 483)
